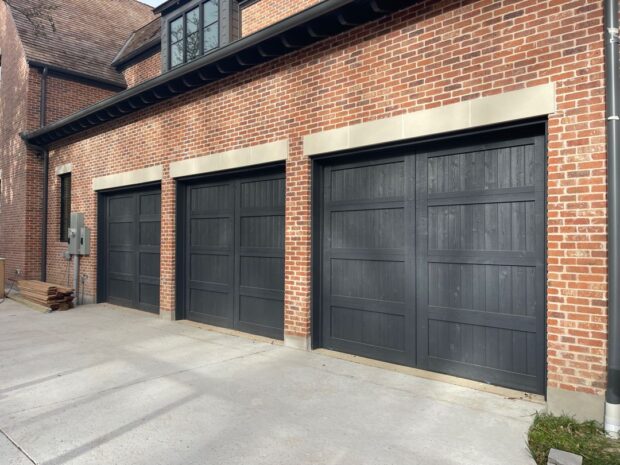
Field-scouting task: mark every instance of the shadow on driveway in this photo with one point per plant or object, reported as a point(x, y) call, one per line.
point(101, 385)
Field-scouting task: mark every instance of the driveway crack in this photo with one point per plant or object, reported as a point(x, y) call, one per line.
point(18, 447)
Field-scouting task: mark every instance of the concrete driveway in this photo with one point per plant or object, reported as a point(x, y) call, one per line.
point(103, 385)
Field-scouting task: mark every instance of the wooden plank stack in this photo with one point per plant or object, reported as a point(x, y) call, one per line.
point(49, 295)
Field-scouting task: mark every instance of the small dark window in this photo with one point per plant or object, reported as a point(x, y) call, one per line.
point(194, 33)
point(65, 206)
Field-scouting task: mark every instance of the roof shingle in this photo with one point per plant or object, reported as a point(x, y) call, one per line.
point(88, 36)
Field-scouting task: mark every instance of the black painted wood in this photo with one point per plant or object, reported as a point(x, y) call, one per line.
point(482, 302)
point(234, 259)
point(367, 259)
point(436, 259)
point(131, 245)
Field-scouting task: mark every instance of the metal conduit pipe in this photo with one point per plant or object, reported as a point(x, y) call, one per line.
point(612, 86)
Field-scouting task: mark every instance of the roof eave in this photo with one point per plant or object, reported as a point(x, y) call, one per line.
point(108, 83)
point(168, 5)
point(325, 19)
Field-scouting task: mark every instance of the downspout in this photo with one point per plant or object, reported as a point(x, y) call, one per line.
point(45, 156)
point(612, 87)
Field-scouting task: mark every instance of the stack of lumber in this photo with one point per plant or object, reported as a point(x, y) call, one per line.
point(49, 295)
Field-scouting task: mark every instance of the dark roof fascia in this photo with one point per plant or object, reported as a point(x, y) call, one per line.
point(244, 3)
point(144, 50)
point(169, 5)
point(323, 20)
point(80, 77)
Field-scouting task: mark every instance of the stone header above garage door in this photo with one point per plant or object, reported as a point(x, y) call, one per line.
point(128, 178)
point(501, 108)
point(240, 158)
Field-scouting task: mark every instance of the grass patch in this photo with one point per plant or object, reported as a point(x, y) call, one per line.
point(564, 433)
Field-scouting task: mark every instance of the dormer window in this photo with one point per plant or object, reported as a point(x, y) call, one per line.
point(194, 33)
point(194, 28)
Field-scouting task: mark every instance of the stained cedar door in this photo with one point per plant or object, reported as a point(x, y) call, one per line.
point(235, 253)
point(435, 259)
point(132, 246)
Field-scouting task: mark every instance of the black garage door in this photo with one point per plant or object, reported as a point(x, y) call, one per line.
point(130, 248)
point(233, 252)
point(434, 257)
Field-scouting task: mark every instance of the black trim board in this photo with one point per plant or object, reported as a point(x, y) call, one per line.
point(246, 3)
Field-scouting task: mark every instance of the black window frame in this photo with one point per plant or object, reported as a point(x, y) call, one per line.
point(201, 29)
point(65, 206)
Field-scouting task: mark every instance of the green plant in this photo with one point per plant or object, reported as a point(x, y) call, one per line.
point(564, 433)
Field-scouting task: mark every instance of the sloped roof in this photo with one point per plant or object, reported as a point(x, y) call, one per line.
point(88, 36)
point(141, 40)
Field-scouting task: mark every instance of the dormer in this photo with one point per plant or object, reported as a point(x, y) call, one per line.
point(194, 28)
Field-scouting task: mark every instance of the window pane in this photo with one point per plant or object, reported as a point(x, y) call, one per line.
point(176, 53)
point(211, 39)
point(211, 11)
point(193, 46)
point(176, 30)
point(65, 206)
point(193, 21)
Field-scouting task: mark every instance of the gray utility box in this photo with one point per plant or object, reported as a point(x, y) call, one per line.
point(85, 241)
point(79, 235)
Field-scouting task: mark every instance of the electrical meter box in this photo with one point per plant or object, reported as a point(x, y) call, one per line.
point(79, 236)
point(85, 241)
point(75, 229)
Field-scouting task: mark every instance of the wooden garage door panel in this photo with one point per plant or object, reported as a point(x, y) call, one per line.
point(436, 259)
point(483, 169)
point(366, 257)
point(499, 226)
point(373, 182)
point(235, 257)
point(262, 193)
point(260, 256)
point(210, 258)
point(480, 262)
point(132, 248)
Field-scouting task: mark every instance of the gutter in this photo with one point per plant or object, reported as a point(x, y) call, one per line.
point(325, 19)
point(612, 87)
point(113, 85)
point(46, 170)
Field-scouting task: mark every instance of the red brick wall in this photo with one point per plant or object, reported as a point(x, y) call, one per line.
point(65, 96)
point(264, 13)
point(14, 161)
point(21, 169)
point(433, 54)
point(146, 69)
